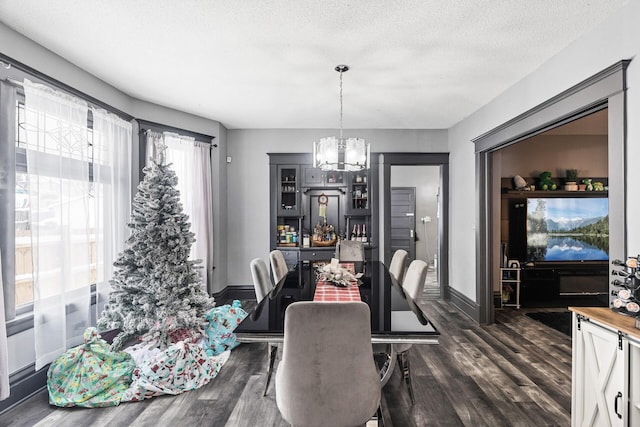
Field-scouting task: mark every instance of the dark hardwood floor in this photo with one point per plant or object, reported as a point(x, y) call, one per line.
point(516, 372)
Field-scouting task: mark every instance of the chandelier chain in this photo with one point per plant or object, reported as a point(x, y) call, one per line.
point(340, 104)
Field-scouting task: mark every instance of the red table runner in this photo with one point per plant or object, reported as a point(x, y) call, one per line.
point(327, 292)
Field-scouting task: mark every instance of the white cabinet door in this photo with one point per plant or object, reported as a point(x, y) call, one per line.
point(598, 397)
point(634, 383)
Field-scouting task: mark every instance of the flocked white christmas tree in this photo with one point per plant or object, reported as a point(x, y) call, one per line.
point(156, 289)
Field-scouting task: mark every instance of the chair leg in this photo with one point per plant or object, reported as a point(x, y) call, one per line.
point(273, 351)
point(403, 361)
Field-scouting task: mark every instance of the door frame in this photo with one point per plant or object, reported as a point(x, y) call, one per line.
point(419, 159)
point(604, 89)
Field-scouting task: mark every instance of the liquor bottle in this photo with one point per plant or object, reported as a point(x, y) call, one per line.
point(353, 233)
point(358, 234)
point(364, 234)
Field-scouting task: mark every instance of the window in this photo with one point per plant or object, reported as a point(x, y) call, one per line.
point(79, 151)
point(65, 200)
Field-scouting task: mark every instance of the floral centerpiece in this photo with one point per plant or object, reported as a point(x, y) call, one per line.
point(337, 275)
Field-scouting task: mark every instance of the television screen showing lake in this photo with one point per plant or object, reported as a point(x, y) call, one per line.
point(567, 229)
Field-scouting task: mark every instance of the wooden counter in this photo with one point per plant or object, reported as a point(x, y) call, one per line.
point(609, 318)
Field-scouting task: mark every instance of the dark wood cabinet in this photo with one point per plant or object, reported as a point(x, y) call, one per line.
point(317, 178)
point(296, 187)
point(312, 177)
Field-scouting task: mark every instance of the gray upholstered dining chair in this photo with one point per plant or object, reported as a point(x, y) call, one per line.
point(350, 251)
point(279, 267)
point(263, 285)
point(327, 375)
point(414, 279)
point(413, 286)
point(398, 265)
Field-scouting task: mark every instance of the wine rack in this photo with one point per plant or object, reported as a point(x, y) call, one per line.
point(626, 286)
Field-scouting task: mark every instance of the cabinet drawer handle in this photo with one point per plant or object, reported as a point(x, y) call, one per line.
point(615, 404)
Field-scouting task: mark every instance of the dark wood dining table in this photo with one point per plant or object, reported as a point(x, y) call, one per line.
point(395, 317)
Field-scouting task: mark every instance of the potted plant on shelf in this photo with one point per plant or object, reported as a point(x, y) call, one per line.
point(571, 180)
point(507, 290)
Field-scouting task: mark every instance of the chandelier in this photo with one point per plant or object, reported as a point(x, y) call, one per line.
point(341, 154)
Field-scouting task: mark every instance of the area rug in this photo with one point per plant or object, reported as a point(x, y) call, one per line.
point(558, 320)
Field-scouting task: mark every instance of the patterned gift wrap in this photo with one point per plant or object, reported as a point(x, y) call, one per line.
point(90, 375)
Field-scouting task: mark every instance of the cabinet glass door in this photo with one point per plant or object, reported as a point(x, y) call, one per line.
point(288, 190)
point(358, 193)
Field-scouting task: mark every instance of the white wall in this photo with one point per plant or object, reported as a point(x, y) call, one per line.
point(614, 40)
point(248, 180)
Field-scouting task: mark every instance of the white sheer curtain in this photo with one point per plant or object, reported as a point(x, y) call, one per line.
point(57, 164)
point(5, 389)
point(112, 149)
point(192, 164)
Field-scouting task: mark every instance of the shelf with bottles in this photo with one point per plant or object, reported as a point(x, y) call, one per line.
point(358, 192)
point(288, 232)
point(358, 229)
point(288, 190)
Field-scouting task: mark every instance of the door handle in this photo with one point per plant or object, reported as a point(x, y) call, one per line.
point(615, 404)
point(411, 233)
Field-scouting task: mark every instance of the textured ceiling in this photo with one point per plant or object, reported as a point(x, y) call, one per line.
point(422, 64)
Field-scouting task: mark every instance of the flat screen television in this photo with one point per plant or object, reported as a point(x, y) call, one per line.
point(568, 229)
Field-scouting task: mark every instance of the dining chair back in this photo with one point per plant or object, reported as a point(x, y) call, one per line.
point(350, 251)
point(398, 265)
point(327, 375)
point(279, 267)
point(263, 285)
point(413, 285)
point(261, 280)
point(414, 279)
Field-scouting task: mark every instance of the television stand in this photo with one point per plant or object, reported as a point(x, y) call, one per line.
point(551, 282)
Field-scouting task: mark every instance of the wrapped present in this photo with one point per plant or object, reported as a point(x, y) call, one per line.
point(223, 320)
point(180, 367)
point(90, 375)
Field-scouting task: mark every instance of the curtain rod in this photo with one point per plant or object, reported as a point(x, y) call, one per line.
point(9, 63)
point(158, 127)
